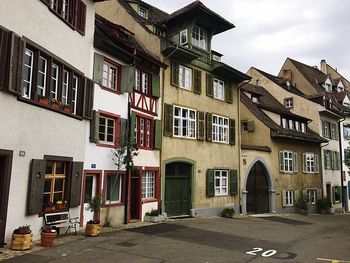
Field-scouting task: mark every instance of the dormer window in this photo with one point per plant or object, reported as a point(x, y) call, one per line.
point(183, 37)
point(199, 37)
point(216, 58)
point(288, 103)
point(255, 99)
point(143, 12)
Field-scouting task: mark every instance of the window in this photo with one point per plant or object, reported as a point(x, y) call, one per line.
point(288, 161)
point(218, 89)
point(220, 129)
point(75, 93)
point(65, 87)
point(221, 182)
point(310, 163)
point(143, 12)
point(346, 130)
point(142, 82)
point(54, 186)
point(110, 74)
point(106, 130)
point(143, 132)
point(114, 188)
point(199, 37)
point(148, 185)
point(255, 99)
point(336, 194)
point(288, 197)
point(183, 37)
point(288, 103)
point(297, 126)
point(328, 87)
point(284, 123)
point(244, 126)
point(331, 160)
point(185, 77)
point(42, 72)
point(291, 124)
point(27, 74)
point(311, 196)
point(184, 122)
point(54, 81)
point(326, 129)
point(334, 131)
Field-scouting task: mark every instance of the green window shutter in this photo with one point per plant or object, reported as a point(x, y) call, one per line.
point(197, 81)
point(316, 164)
point(336, 132)
point(75, 184)
point(132, 127)
point(284, 201)
point(229, 92)
point(304, 162)
point(210, 183)
point(98, 68)
point(36, 187)
point(16, 64)
point(157, 134)
point(209, 85)
point(94, 125)
point(232, 131)
point(200, 125)
point(209, 126)
point(123, 134)
point(128, 79)
point(325, 159)
point(175, 73)
point(155, 85)
point(88, 98)
point(295, 162)
point(281, 161)
point(168, 120)
point(233, 182)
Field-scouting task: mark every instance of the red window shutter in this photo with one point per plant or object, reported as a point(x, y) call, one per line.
point(80, 16)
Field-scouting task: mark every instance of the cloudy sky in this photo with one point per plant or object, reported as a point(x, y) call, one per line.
point(269, 31)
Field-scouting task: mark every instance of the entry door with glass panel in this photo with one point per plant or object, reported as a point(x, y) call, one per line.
point(89, 194)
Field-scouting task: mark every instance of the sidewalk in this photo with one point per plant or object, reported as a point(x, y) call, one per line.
point(7, 253)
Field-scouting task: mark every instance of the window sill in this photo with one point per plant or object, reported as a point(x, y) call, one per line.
point(115, 91)
point(150, 200)
point(106, 145)
point(221, 195)
point(186, 138)
point(106, 205)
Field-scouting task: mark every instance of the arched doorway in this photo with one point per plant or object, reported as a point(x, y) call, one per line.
point(257, 189)
point(177, 199)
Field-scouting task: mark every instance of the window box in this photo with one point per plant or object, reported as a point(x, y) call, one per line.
point(66, 108)
point(55, 104)
point(43, 101)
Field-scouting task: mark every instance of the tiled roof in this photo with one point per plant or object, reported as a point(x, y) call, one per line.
point(256, 148)
point(340, 96)
point(276, 130)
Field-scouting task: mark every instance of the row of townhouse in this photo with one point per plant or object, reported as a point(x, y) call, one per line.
point(123, 70)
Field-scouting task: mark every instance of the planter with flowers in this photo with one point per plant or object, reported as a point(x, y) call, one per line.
point(22, 238)
point(48, 235)
point(61, 204)
point(49, 207)
point(43, 100)
point(55, 103)
point(66, 107)
point(93, 227)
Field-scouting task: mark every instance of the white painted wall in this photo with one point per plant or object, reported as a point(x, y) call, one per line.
point(148, 207)
point(345, 145)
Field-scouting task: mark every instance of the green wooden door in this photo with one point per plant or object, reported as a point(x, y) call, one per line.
point(177, 189)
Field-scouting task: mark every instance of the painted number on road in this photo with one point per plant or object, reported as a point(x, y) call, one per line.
point(265, 254)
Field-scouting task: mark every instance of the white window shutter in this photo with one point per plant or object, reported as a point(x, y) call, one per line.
point(281, 162)
point(304, 162)
point(284, 202)
point(295, 162)
point(316, 164)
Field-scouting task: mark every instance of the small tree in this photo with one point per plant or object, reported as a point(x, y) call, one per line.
point(95, 205)
point(123, 157)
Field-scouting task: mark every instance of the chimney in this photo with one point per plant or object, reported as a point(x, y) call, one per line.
point(287, 74)
point(323, 66)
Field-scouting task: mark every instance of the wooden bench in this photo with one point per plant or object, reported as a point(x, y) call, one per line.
point(61, 219)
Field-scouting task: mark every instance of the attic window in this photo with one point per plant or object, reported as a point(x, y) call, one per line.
point(183, 37)
point(199, 37)
point(288, 103)
point(328, 87)
point(255, 99)
point(143, 12)
point(216, 58)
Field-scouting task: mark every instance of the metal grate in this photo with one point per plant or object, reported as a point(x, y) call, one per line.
point(178, 169)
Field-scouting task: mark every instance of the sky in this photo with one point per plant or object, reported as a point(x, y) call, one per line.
point(269, 31)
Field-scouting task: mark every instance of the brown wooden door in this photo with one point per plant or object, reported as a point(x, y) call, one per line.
point(5, 176)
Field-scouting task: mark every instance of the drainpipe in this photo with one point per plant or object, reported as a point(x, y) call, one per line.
point(341, 164)
point(127, 181)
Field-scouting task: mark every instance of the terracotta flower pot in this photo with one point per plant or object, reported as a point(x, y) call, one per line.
point(60, 207)
point(55, 105)
point(66, 109)
point(21, 242)
point(92, 230)
point(47, 238)
point(44, 101)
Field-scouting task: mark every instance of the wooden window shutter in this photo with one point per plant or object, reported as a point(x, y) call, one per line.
point(94, 125)
point(201, 125)
point(304, 162)
point(333, 194)
point(232, 131)
point(174, 73)
point(209, 85)
point(75, 184)
point(81, 16)
point(210, 183)
point(168, 120)
point(233, 182)
point(197, 81)
point(88, 98)
point(304, 193)
point(4, 51)
point(284, 195)
point(251, 126)
point(319, 194)
point(155, 85)
point(229, 92)
point(337, 160)
point(209, 126)
point(295, 162)
point(132, 127)
point(36, 187)
point(16, 64)
point(157, 134)
point(98, 68)
point(128, 79)
point(123, 132)
point(316, 164)
point(281, 161)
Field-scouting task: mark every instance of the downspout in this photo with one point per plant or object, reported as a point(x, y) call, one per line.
point(162, 192)
point(341, 164)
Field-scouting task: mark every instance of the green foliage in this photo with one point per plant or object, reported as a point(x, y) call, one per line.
point(95, 204)
point(302, 203)
point(154, 212)
point(323, 204)
point(228, 212)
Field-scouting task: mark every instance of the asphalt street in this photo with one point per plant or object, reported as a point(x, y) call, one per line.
point(274, 238)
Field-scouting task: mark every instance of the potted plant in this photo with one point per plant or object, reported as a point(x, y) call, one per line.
point(22, 238)
point(61, 204)
point(323, 206)
point(93, 227)
point(66, 107)
point(48, 235)
point(43, 100)
point(48, 207)
point(228, 212)
point(55, 103)
point(154, 216)
point(302, 205)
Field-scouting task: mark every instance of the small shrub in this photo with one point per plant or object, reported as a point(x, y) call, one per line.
point(154, 212)
point(228, 212)
point(48, 229)
point(323, 204)
point(302, 203)
point(95, 204)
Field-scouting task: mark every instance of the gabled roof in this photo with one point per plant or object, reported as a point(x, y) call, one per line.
point(281, 82)
point(276, 130)
point(206, 15)
point(340, 96)
point(155, 15)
